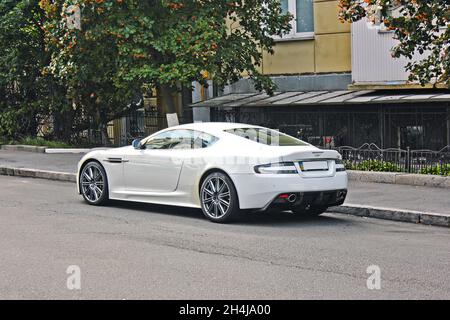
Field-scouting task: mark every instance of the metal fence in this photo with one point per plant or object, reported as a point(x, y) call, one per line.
point(369, 157)
point(121, 132)
point(143, 123)
point(92, 137)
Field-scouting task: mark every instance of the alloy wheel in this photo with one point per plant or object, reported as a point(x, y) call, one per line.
point(216, 197)
point(92, 182)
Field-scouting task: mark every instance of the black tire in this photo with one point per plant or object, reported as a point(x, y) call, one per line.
point(99, 181)
point(311, 212)
point(214, 205)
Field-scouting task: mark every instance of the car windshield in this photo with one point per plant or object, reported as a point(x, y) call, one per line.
point(267, 137)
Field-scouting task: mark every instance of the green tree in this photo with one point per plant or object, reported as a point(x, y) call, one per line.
point(420, 26)
point(125, 45)
point(87, 63)
point(27, 96)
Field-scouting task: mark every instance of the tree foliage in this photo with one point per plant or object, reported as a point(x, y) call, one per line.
point(26, 95)
point(123, 48)
point(164, 44)
point(422, 27)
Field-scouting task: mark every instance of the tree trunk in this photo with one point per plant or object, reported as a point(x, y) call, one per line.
point(104, 129)
point(104, 133)
point(166, 93)
point(62, 125)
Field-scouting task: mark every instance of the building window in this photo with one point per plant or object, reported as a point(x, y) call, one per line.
point(394, 11)
point(303, 21)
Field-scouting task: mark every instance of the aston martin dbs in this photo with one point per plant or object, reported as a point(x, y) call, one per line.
point(222, 168)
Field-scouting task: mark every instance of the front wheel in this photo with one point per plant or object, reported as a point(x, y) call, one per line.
point(219, 198)
point(94, 183)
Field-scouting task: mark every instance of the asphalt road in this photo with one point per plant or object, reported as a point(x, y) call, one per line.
point(403, 197)
point(138, 251)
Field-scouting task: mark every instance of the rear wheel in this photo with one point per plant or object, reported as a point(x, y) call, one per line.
point(219, 198)
point(94, 183)
point(312, 211)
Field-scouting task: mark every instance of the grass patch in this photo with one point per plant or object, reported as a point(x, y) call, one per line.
point(4, 140)
point(39, 141)
point(42, 142)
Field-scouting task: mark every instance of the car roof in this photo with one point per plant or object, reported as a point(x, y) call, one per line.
point(213, 127)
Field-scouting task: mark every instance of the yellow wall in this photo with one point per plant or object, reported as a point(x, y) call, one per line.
point(329, 51)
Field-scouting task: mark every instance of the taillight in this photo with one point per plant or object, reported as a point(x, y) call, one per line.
point(276, 168)
point(339, 165)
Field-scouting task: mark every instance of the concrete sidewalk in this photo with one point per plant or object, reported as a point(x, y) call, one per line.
point(380, 200)
point(41, 161)
point(406, 197)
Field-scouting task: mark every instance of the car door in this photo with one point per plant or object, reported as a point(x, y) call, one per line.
point(157, 166)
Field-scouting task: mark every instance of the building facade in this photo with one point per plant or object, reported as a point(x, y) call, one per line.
point(337, 86)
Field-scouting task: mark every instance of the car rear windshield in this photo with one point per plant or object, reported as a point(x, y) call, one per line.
point(266, 136)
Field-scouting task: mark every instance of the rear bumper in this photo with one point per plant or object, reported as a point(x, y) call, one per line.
point(305, 200)
point(259, 191)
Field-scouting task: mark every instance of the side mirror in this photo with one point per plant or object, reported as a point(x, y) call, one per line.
point(137, 144)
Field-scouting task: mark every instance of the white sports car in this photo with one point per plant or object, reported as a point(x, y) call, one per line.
point(222, 168)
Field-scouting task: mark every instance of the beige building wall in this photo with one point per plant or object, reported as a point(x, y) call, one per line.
point(328, 51)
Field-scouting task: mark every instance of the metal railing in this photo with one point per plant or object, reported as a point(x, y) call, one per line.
point(369, 157)
point(143, 124)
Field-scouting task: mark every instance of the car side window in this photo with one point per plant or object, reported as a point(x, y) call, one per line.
point(163, 141)
point(180, 139)
point(204, 140)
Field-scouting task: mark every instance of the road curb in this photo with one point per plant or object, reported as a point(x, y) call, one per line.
point(428, 218)
point(21, 147)
point(42, 174)
point(410, 179)
point(66, 150)
point(45, 149)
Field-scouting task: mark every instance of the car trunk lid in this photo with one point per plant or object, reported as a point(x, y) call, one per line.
point(312, 162)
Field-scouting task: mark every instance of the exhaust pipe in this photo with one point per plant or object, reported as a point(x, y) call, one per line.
point(292, 198)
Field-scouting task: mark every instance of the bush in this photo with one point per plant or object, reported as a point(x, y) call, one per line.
point(441, 170)
point(373, 165)
point(382, 166)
